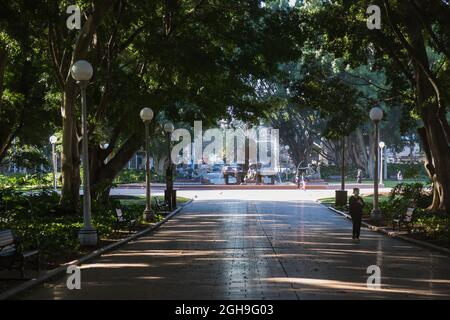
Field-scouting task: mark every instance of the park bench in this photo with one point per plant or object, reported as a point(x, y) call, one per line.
point(161, 205)
point(122, 221)
point(12, 255)
point(403, 219)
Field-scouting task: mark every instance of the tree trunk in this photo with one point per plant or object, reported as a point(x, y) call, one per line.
point(70, 146)
point(3, 60)
point(437, 159)
point(103, 175)
point(371, 164)
point(357, 151)
point(70, 154)
point(433, 134)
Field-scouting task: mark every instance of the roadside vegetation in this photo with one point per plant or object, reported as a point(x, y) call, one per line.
point(426, 225)
point(40, 222)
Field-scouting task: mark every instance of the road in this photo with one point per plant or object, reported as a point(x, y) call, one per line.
point(258, 245)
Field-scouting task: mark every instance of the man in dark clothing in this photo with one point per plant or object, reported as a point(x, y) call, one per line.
point(355, 208)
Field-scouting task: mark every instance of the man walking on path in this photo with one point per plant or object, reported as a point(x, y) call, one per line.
point(355, 208)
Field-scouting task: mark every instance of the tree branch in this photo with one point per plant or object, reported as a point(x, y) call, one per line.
point(55, 64)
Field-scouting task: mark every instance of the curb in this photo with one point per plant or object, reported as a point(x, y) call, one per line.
point(62, 268)
point(394, 234)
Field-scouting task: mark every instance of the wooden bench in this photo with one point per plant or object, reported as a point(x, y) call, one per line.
point(161, 205)
point(12, 255)
point(122, 221)
point(404, 219)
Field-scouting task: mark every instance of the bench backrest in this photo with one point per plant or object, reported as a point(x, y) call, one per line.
point(409, 214)
point(158, 201)
point(119, 215)
point(7, 243)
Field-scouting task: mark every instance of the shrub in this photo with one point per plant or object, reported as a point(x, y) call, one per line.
point(409, 170)
point(333, 170)
point(26, 181)
point(38, 220)
point(136, 176)
point(411, 194)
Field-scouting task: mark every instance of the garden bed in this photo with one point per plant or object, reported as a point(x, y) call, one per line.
point(429, 227)
point(37, 220)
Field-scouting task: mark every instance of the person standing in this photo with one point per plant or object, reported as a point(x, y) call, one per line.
point(399, 176)
point(359, 176)
point(303, 182)
point(355, 208)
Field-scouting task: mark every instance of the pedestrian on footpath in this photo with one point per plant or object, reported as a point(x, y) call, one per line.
point(399, 176)
point(303, 182)
point(359, 176)
point(355, 208)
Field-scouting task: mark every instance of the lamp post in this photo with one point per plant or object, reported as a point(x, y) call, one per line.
point(147, 116)
point(170, 195)
point(381, 145)
point(53, 139)
point(82, 71)
point(376, 114)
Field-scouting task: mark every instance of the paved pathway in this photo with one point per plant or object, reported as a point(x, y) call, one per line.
point(245, 249)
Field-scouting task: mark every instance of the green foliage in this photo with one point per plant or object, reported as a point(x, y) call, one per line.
point(38, 220)
point(411, 195)
point(433, 226)
point(20, 181)
point(321, 88)
point(137, 176)
point(409, 170)
point(332, 170)
point(29, 157)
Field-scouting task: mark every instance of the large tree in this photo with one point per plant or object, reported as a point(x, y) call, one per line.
point(412, 48)
point(25, 113)
point(185, 59)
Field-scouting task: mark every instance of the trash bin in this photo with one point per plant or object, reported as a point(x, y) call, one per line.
point(341, 198)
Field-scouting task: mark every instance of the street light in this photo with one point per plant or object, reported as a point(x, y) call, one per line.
point(376, 114)
point(147, 116)
point(381, 145)
point(170, 195)
point(53, 139)
point(82, 71)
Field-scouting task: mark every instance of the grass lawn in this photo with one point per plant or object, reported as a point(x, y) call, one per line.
point(387, 183)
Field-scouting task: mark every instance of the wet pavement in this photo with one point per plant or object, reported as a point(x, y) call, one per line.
point(246, 249)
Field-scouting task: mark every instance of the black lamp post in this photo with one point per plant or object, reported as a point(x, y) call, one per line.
point(170, 193)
